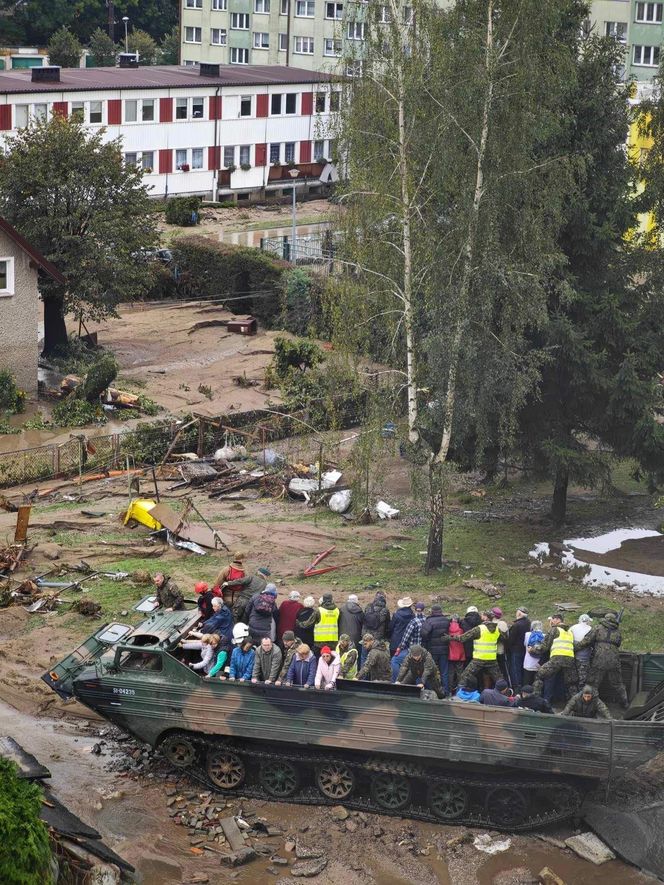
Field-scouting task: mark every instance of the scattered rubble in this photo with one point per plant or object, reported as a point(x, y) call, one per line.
point(589, 847)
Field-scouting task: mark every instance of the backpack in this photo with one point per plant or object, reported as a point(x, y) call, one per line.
point(372, 618)
point(535, 640)
point(264, 604)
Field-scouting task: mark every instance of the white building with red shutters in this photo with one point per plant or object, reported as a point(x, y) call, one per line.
point(221, 131)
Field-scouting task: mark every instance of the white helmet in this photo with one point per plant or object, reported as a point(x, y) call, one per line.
point(240, 633)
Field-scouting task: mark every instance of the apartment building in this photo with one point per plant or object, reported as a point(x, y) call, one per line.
point(218, 131)
point(316, 34)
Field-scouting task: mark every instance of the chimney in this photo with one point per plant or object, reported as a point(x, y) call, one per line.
point(46, 74)
point(208, 70)
point(128, 60)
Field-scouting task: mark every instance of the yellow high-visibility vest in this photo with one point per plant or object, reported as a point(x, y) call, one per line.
point(563, 645)
point(327, 629)
point(352, 670)
point(485, 648)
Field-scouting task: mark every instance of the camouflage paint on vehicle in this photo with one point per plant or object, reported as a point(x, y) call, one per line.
point(138, 683)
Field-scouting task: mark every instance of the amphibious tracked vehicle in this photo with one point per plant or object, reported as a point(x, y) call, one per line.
point(373, 746)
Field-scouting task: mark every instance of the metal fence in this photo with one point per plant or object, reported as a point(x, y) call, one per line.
point(309, 249)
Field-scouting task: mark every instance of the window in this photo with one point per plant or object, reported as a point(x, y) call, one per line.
point(78, 111)
point(197, 108)
point(305, 8)
point(334, 10)
point(617, 30)
point(181, 108)
point(6, 276)
point(229, 156)
point(40, 111)
point(407, 14)
point(239, 56)
point(319, 150)
point(131, 159)
point(275, 154)
point(245, 106)
point(192, 35)
point(649, 12)
point(332, 148)
point(262, 6)
point(334, 100)
point(218, 36)
point(646, 55)
point(21, 116)
point(332, 47)
point(303, 46)
point(283, 42)
point(131, 107)
point(95, 112)
point(385, 15)
point(354, 69)
point(197, 158)
point(261, 40)
point(275, 104)
point(320, 102)
point(290, 151)
point(356, 30)
point(193, 4)
point(147, 161)
point(239, 21)
point(148, 110)
point(284, 7)
point(180, 159)
point(245, 155)
point(220, 5)
point(291, 100)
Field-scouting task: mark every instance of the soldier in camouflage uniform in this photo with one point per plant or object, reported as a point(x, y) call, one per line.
point(559, 645)
point(419, 668)
point(291, 644)
point(485, 651)
point(605, 639)
point(376, 667)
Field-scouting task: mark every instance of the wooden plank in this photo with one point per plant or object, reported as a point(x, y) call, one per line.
point(22, 521)
point(185, 530)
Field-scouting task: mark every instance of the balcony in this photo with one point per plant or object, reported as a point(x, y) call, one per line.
point(306, 170)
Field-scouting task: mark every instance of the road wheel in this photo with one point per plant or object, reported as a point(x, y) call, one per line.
point(280, 778)
point(506, 806)
point(448, 801)
point(391, 792)
point(179, 750)
point(335, 780)
point(225, 768)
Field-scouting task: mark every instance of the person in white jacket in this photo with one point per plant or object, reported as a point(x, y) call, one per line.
point(328, 669)
point(207, 645)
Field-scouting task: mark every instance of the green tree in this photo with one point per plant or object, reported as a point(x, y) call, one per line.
point(70, 194)
point(102, 49)
point(145, 46)
point(598, 392)
point(64, 49)
point(170, 47)
point(24, 849)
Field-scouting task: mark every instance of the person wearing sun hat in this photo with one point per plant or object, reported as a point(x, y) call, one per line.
point(401, 619)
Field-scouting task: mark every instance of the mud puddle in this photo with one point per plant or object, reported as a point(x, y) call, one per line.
point(632, 559)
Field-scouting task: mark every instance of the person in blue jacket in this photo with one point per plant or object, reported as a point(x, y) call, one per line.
point(242, 662)
point(400, 620)
point(221, 621)
point(469, 694)
point(302, 670)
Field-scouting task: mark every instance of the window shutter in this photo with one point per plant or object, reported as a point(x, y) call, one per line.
point(5, 116)
point(305, 152)
point(165, 162)
point(307, 103)
point(261, 155)
point(114, 112)
point(215, 107)
point(165, 110)
point(61, 108)
point(262, 102)
point(214, 156)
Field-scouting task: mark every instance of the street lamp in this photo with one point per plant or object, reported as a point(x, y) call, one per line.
point(293, 174)
point(125, 19)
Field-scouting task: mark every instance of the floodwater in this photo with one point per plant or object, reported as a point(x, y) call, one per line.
point(629, 558)
point(570, 868)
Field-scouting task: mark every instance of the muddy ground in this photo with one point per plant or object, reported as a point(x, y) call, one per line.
point(130, 808)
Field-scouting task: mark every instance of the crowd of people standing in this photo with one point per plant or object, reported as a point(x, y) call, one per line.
point(246, 635)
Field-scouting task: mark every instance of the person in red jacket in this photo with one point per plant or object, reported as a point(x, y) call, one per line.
point(288, 611)
point(457, 655)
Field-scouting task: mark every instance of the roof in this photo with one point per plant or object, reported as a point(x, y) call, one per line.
point(158, 77)
point(34, 254)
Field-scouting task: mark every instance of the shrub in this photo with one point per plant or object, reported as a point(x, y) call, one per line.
point(290, 354)
point(162, 283)
point(76, 412)
point(76, 358)
point(210, 269)
point(301, 304)
point(101, 375)
point(12, 400)
point(24, 850)
point(183, 211)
